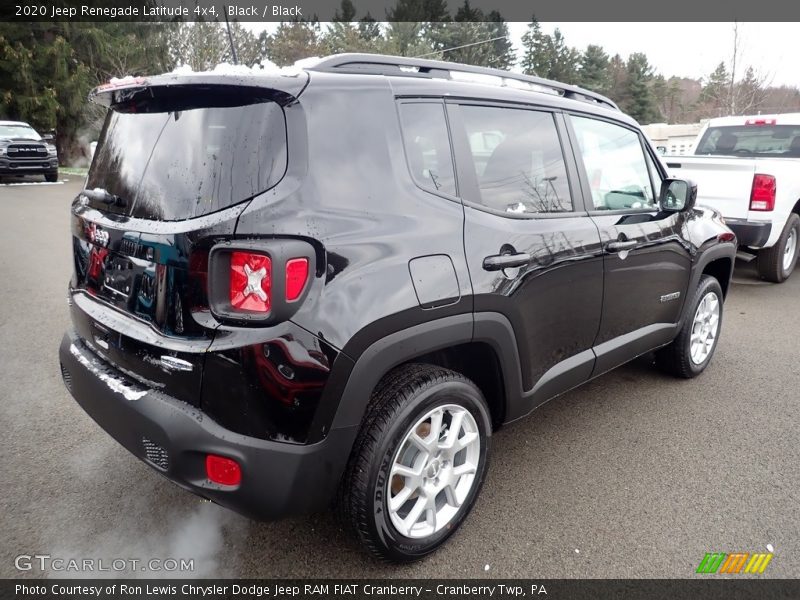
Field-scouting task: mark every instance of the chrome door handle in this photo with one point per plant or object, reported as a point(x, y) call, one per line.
point(620, 246)
point(498, 262)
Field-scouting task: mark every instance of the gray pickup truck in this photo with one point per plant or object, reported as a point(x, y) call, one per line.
point(24, 152)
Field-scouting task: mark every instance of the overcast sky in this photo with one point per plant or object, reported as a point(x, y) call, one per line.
point(692, 49)
point(683, 49)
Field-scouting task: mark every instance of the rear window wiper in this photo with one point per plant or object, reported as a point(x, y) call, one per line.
point(104, 196)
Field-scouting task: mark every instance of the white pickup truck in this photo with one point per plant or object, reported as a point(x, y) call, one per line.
point(748, 168)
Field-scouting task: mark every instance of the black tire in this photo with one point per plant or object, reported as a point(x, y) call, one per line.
point(404, 396)
point(770, 260)
point(51, 177)
point(676, 358)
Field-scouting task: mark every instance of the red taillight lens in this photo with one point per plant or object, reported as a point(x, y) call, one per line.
point(222, 470)
point(762, 196)
point(760, 122)
point(296, 277)
point(251, 282)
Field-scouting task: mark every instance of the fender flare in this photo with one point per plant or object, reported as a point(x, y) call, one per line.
point(404, 345)
point(715, 252)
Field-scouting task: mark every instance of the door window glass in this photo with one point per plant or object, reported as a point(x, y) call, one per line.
point(618, 174)
point(518, 160)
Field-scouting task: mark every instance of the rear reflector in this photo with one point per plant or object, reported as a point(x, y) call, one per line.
point(726, 237)
point(251, 282)
point(296, 277)
point(762, 196)
point(222, 470)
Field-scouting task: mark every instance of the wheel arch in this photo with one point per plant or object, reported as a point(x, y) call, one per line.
point(465, 343)
point(718, 261)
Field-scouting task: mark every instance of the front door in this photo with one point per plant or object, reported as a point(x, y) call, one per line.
point(647, 261)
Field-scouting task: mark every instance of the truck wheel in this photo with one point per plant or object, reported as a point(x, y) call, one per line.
point(418, 463)
point(689, 354)
point(51, 177)
point(777, 263)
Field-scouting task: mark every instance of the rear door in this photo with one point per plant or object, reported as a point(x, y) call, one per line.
point(647, 261)
point(532, 251)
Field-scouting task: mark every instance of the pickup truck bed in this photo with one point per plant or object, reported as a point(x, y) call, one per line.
point(748, 168)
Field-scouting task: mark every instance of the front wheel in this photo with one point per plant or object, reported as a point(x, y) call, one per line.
point(418, 463)
point(777, 263)
point(51, 177)
point(690, 353)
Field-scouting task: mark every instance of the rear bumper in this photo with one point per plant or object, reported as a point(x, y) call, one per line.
point(750, 234)
point(278, 479)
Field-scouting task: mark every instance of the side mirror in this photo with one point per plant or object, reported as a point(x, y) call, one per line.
point(677, 195)
point(48, 137)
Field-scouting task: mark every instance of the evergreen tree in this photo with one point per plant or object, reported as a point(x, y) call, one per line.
point(716, 91)
point(462, 37)
point(565, 60)
point(503, 55)
point(537, 50)
point(639, 100)
point(549, 56)
point(294, 40)
point(416, 27)
point(47, 70)
point(594, 70)
point(346, 35)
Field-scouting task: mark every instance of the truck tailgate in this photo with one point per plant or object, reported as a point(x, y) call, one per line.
point(722, 183)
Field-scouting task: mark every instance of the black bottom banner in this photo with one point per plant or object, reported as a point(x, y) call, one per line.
point(426, 589)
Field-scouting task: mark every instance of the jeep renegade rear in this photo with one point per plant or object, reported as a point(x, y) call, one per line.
point(330, 286)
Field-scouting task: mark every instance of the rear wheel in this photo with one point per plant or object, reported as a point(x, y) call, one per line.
point(777, 263)
point(418, 463)
point(690, 353)
point(51, 177)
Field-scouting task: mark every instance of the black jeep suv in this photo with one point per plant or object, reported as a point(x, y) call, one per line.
point(332, 284)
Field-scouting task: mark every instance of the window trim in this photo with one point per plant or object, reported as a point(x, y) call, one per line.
point(465, 173)
point(584, 176)
point(400, 100)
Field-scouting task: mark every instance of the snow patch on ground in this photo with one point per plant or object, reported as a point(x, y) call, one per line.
point(33, 183)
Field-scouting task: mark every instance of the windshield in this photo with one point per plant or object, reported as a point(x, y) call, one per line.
point(176, 161)
point(752, 140)
point(19, 131)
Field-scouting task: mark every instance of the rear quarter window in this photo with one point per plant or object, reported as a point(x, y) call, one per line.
point(427, 146)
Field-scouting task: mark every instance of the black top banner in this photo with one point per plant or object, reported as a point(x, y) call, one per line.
point(382, 10)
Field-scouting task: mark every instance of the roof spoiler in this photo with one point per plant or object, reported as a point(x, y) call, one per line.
point(282, 89)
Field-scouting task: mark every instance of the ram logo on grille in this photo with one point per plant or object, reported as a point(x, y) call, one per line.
point(155, 454)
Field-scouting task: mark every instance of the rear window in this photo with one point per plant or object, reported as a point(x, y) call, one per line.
point(174, 160)
point(752, 140)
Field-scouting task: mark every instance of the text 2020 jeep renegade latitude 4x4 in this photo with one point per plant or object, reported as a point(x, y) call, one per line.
point(291, 288)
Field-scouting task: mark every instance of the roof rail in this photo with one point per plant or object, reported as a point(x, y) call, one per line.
point(379, 64)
